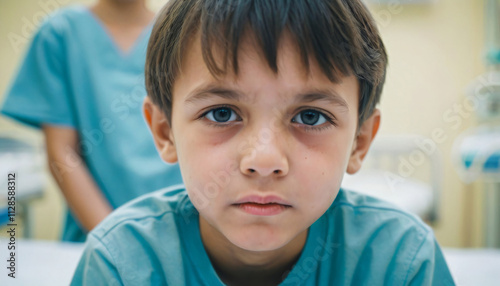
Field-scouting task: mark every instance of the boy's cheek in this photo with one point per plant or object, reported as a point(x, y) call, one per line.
point(320, 192)
point(232, 168)
point(207, 180)
point(323, 174)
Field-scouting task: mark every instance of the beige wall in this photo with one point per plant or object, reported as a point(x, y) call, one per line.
point(434, 50)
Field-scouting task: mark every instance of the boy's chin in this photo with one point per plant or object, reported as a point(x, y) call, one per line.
point(259, 243)
point(256, 247)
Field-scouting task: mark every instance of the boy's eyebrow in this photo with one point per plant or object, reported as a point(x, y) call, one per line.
point(209, 90)
point(327, 95)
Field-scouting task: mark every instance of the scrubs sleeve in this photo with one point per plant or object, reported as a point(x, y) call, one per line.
point(96, 267)
point(429, 265)
point(40, 92)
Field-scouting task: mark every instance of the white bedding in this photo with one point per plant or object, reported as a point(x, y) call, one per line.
point(408, 194)
point(471, 267)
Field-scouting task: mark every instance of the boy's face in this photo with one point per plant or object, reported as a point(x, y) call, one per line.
point(259, 155)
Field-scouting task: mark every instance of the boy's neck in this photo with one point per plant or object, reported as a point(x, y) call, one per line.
point(123, 13)
point(236, 266)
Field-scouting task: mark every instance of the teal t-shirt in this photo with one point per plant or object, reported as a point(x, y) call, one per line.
point(360, 240)
point(74, 75)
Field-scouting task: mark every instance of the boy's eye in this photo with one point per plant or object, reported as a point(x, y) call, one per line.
point(221, 114)
point(310, 117)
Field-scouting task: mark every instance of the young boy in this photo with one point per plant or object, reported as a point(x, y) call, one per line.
point(265, 105)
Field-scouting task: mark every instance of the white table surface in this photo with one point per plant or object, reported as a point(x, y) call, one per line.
point(52, 263)
point(471, 267)
point(40, 262)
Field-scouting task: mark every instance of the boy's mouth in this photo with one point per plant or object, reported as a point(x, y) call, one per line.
point(262, 206)
point(262, 209)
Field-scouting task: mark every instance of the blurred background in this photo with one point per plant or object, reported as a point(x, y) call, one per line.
point(434, 124)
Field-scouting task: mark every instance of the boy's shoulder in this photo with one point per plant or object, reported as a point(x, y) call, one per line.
point(146, 233)
point(362, 240)
point(165, 205)
point(369, 212)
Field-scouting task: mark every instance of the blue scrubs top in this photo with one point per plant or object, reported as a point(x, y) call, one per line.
point(359, 240)
point(74, 75)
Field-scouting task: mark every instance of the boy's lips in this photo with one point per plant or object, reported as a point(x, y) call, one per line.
point(255, 199)
point(263, 206)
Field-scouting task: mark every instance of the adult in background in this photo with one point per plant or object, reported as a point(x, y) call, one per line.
point(82, 84)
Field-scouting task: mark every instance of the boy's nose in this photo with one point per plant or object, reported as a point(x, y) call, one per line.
point(265, 159)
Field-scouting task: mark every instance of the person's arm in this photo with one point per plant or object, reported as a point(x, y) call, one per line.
point(69, 170)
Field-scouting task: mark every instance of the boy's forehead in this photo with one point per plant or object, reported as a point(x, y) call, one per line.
point(292, 71)
point(247, 49)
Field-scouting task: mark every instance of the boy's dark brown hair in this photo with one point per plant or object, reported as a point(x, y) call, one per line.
point(340, 34)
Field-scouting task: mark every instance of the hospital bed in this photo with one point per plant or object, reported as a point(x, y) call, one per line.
point(27, 162)
point(405, 170)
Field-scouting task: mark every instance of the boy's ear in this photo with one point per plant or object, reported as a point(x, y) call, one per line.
point(362, 142)
point(161, 130)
